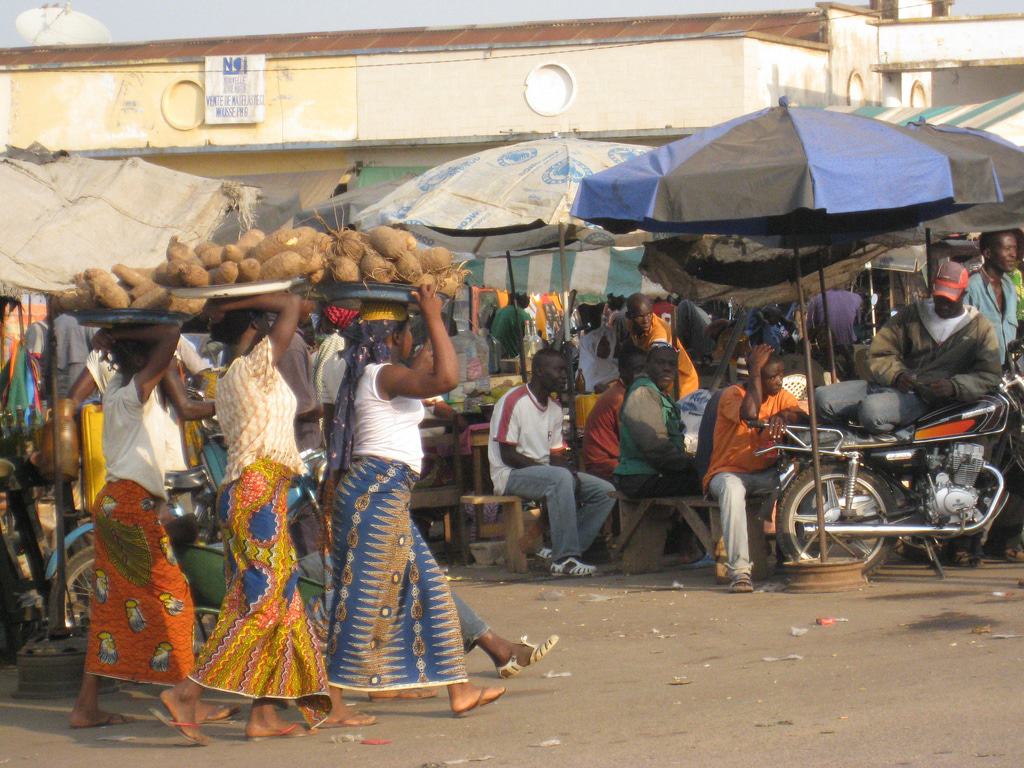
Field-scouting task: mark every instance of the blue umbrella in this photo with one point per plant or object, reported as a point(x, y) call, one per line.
point(809, 175)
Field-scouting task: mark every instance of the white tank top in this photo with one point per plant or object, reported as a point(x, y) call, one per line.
point(388, 429)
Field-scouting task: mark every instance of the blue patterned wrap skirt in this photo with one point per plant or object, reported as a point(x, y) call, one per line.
point(393, 624)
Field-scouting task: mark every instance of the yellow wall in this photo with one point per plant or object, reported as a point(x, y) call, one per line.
point(245, 163)
point(134, 106)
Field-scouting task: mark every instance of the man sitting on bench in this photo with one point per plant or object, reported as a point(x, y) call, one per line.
point(734, 470)
point(525, 445)
point(652, 462)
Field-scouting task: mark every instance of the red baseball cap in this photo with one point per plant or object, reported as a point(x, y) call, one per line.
point(950, 281)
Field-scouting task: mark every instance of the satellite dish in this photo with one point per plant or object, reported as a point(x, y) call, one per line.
point(59, 25)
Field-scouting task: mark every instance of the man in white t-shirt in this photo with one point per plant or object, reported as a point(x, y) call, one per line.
point(527, 457)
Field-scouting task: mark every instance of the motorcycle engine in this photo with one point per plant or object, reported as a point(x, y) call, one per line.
point(955, 496)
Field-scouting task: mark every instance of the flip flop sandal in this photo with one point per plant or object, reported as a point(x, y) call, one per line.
point(512, 667)
point(199, 742)
point(572, 567)
point(284, 733)
point(479, 703)
point(544, 553)
point(114, 718)
point(226, 713)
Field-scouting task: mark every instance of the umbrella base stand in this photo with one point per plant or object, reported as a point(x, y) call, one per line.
point(53, 669)
point(836, 575)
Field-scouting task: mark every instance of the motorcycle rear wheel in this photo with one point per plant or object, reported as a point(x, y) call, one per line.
point(797, 508)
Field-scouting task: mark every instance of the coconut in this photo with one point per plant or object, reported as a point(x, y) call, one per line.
point(343, 270)
point(435, 259)
point(408, 268)
point(375, 267)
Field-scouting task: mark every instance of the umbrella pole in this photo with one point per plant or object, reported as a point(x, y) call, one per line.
point(871, 298)
point(566, 335)
point(828, 326)
point(927, 256)
point(512, 290)
point(812, 408)
point(56, 619)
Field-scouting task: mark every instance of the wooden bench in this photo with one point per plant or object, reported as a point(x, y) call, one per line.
point(645, 524)
point(513, 520)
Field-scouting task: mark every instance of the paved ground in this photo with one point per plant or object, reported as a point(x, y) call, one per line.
point(911, 679)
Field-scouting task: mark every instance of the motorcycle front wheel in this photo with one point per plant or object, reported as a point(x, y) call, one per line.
point(798, 509)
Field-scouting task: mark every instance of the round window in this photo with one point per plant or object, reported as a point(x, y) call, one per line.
point(183, 105)
point(550, 89)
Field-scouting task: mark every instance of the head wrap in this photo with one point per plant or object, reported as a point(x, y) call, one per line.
point(366, 342)
point(340, 317)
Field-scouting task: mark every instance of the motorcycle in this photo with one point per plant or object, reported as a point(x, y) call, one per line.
point(938, 479)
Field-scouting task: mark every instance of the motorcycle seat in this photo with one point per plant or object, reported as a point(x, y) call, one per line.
point(185, 480)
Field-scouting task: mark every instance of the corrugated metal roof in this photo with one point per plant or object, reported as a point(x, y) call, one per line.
point(804, 25)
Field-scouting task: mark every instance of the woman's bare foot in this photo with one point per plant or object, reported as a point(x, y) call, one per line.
point(265, 723)
point(342, 715)
point(464, 697)
point(182, 704)
point(215, 713)
point(96, 718)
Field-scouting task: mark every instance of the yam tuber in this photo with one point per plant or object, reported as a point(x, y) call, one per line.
point(133, 277)
point(186, 306)
point(225, 274)
point(375, 267)
point(235, 253)
point(250, 239)
point(249, 271)
point(408, 268)
point(105, 289)
point(350, 245)
point(141, 289)
point(210, 255)
point(157, 297)
point(178, 251)
point(282, 266)
point(194, 276)
point(390, 243)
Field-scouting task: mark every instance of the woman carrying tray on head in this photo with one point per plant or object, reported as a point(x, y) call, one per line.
point(141, 615)
point(393, 625)
point(263, 645)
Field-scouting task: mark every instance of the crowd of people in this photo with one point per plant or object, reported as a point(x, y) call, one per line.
point(394, 629)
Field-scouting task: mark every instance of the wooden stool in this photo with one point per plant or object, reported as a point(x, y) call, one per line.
point(645, 525)
point(514, 527)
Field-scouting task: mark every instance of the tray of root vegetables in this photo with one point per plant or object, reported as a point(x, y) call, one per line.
point(386, 264)
point(338, 265)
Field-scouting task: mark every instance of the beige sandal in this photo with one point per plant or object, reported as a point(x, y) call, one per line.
point(512, 667)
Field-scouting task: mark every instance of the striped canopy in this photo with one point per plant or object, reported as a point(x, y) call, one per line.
point(595, 273)
point(1003, 116)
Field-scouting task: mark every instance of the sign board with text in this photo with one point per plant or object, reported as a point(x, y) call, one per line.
point(235, 90)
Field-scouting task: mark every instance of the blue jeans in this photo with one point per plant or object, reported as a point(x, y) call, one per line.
point(878, 409)
point(575, 523)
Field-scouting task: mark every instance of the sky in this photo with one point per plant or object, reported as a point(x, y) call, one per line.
point(133, 20)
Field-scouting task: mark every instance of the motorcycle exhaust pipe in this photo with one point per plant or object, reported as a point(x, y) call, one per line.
point(946, 531)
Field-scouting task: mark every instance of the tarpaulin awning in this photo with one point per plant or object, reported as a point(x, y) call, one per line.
point(596, 273)
point(911, 258)
point(1003, 116)
point(63, 214)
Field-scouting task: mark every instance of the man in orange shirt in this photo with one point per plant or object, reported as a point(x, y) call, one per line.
point(734, 470)
point(646, 328)
point(601, 436)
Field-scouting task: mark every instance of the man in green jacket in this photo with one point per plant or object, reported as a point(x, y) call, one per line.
point(930, 353)
point(652, 462)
